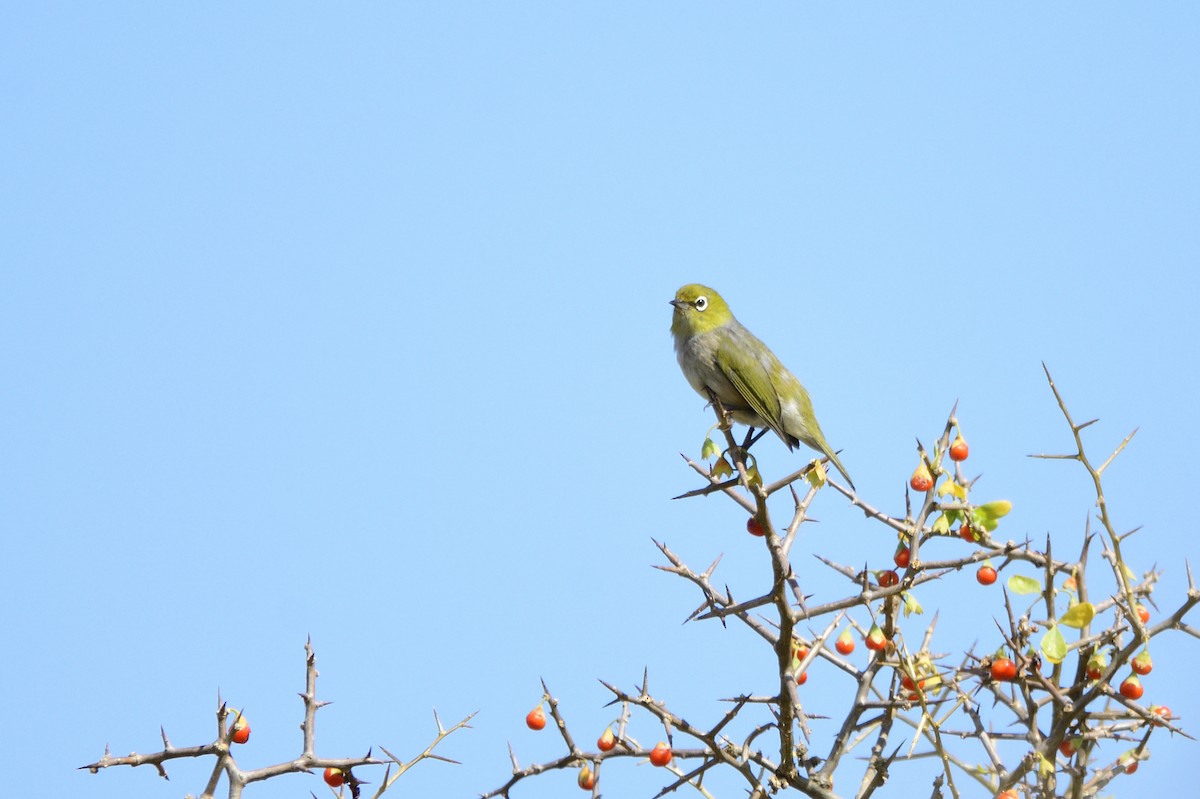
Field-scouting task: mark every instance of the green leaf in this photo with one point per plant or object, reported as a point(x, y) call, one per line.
point(1020, 584)
point(951, 487)
point(753, 478)
point(1079, 615)
point(911, 605)
point(941, 525)
point(721, 468)
point(1054, 646)
point(988, 515)
point(816, 476)
point(709, 450)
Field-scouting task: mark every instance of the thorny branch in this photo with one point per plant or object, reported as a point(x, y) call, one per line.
point(1063, 718)
point(307, 761)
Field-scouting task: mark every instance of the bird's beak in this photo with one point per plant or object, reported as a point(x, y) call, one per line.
point(678, 303)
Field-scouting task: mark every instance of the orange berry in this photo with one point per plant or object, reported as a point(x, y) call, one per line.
point(1003, 670)
point(240, 730)
point(1132, 687)
point(875, 640)
point(607, 740)
point(959, 450)
point(536, 718)
point(334, 777)
point(661, 754)
point(921, 480)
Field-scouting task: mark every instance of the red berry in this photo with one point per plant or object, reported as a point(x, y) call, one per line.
point(607, 740)
point(1096, 665)
point(888, 578)
point(753, 527)
point(1004, 670)
point(334, 777)
point(240, 730)
point(1068, 747)
point(901, 558)
point(586, 779)
point(1143, 613)
point(536, 718)
point(1009, 794)
point(875, 640)
point(986, 575)
point(1132, 687)
point(802, 678)
point(1162, 711)
point(845, 643)
point(959, 450)
point(660, 755)
point(966, 533)
point(1142, 663)
point(921, 480)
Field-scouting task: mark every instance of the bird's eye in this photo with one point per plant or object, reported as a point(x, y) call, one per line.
point(701, 303)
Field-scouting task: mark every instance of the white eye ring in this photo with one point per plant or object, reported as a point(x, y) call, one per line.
point(701, 303)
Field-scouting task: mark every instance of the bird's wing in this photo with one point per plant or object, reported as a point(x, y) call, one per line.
point(746, 367)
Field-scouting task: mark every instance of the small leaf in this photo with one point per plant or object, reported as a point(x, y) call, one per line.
point(1079, 615)
point(951, 487)
point(1054, 646)
point(941, 525)
point(753, 478)
point(988, 515)
point(709, 450)
point(1045, 767)
point(721, 468)
point(1020, 584)
point(911, 605)
point(816, 476)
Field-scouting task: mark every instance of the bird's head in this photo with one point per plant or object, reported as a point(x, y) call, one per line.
point(698, 309)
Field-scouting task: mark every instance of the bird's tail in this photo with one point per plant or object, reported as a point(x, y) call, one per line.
point(833, 457)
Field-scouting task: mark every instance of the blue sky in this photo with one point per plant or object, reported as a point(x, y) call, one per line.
point(352, 323)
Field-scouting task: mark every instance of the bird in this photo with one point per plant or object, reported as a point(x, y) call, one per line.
point(719, 355)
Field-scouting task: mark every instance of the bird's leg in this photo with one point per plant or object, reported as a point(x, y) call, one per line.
point(724, 420)
point(725, 425)
point(752, 437)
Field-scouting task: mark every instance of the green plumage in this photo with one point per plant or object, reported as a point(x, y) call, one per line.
point(718, 354)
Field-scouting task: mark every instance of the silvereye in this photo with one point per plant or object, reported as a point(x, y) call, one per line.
point(717, 354)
